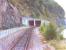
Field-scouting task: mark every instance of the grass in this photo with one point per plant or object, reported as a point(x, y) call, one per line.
point(59, 45)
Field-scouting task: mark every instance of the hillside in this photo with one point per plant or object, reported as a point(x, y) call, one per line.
point(45, 9)
point(13, 10)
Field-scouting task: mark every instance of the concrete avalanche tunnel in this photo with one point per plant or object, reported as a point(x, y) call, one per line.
point(18, 38)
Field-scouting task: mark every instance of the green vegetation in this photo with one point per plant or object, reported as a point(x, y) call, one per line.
point(45, 9)
point(50, 32)
point(38, 8)
point(43, 28)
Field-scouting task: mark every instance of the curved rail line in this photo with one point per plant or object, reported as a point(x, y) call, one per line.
point(21, 41)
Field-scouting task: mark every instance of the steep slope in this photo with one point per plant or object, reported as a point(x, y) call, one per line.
point(11, 11)
point(9, 16)
point(38, 7)
point(45, 9)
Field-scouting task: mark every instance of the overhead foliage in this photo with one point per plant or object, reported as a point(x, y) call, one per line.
point(40, 8)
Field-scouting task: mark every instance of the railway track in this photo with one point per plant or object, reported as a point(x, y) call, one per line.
point(24, 42)
point(18, 41)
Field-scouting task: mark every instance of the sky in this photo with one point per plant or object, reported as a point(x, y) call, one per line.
point(62, 3)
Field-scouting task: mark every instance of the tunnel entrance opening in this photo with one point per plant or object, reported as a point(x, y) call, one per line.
point(35, 23)
point(31, 22)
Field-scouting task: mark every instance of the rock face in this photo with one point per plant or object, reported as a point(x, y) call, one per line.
point(46, 9)
point(9, 16)
point(38, 7)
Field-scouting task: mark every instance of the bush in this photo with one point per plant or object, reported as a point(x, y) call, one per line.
point(50, 32)
point(61, 37)
point(43, 28)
